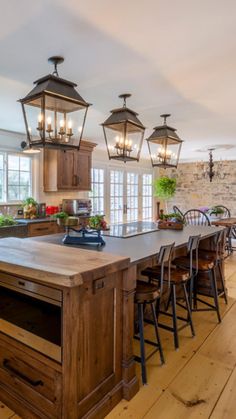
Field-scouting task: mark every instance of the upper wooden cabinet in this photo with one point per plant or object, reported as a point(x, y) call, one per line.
point(68, 169)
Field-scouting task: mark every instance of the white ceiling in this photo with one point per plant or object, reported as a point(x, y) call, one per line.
point(174, 56)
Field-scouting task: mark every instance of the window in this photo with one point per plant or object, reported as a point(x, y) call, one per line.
point(1, 178)
point(15, 177)
point(146, 196)
point(97, 193)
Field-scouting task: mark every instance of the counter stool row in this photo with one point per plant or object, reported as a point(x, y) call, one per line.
point(174, 275)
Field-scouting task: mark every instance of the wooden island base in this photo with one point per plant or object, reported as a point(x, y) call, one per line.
point(91, 367)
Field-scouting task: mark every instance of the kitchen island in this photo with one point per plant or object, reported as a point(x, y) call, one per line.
point(66, 321)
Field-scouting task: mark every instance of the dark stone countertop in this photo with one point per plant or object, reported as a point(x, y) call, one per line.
point(140, 247)
point(35, 220)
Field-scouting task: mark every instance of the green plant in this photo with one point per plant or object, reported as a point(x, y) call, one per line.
point(7, 220)
point(29, 201)
point(164, 187)
point(97, 222)
point(215, 211)
point(61, 215)
point(172, 217)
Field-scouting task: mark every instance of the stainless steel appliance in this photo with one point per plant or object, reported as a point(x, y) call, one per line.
point(31, 313)
point(77, 206)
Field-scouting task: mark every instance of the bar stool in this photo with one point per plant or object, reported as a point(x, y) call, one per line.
point(177, 277)
point(149, 294)
point(208, 260)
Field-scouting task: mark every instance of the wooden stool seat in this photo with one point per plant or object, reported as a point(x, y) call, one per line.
point(203, 264)
point(177, 275)
point(146, 292)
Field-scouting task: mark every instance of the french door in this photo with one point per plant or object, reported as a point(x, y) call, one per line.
point(124, 196)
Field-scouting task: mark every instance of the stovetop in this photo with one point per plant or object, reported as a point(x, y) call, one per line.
point(130, 229)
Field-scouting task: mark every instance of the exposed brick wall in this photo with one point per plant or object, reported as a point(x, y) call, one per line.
point(193, 193)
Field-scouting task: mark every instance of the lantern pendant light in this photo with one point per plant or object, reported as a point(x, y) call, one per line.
point(54, 112)
point(123, 133)
point(164, 145)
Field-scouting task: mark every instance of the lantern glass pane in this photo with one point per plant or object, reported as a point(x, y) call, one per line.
point(123, 146)
point(63, 122)
point(165, 152)
point(32, 115)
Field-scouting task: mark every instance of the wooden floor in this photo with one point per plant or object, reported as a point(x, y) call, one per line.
point(198, 380)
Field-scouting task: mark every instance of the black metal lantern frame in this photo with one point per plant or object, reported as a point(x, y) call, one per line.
point(54, 112)
point(164, 145)
point(123, 133)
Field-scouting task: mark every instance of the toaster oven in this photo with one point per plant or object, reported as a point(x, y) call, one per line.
point(77, 206)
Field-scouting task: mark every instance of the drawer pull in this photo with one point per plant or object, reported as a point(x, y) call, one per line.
point(42, 228)
point(21, 283)
point(8, 367)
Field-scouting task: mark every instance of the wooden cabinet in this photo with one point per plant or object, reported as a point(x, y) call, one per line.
point(68, 169)
point(42, 228)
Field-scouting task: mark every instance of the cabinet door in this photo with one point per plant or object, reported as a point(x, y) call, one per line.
point(66, 170)
point(84, 170)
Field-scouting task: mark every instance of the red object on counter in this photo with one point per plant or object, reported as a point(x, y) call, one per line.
point(50, 210)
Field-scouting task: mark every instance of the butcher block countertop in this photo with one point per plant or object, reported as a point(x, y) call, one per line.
point(56, 265)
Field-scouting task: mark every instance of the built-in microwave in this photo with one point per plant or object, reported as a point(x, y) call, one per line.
point(31, 313)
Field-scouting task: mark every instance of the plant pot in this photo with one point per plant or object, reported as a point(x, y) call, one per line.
point(215, 217)
point(68, 222)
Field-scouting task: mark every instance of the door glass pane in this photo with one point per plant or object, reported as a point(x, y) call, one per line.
point(97, 191)
point(132, 197)
point(147, 197)
point(116, 196)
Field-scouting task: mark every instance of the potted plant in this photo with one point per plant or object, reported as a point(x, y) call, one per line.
point(215, 213)
point(63, 219)
point(164, 188)
point(97, 222)
point(30, 208)
point(171, 221)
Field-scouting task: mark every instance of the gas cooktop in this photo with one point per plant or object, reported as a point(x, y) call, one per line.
point(131, 229)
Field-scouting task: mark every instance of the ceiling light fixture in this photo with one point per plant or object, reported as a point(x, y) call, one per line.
point(164, 145)
point(209, 169)
point(54, 112)
point(123, 133)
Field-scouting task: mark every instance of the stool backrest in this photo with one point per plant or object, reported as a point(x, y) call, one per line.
point(196, 217)
point(220, 239)
point(192, 248)
point(164, 259)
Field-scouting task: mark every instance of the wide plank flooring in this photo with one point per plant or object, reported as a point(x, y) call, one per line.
point(198, 380)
